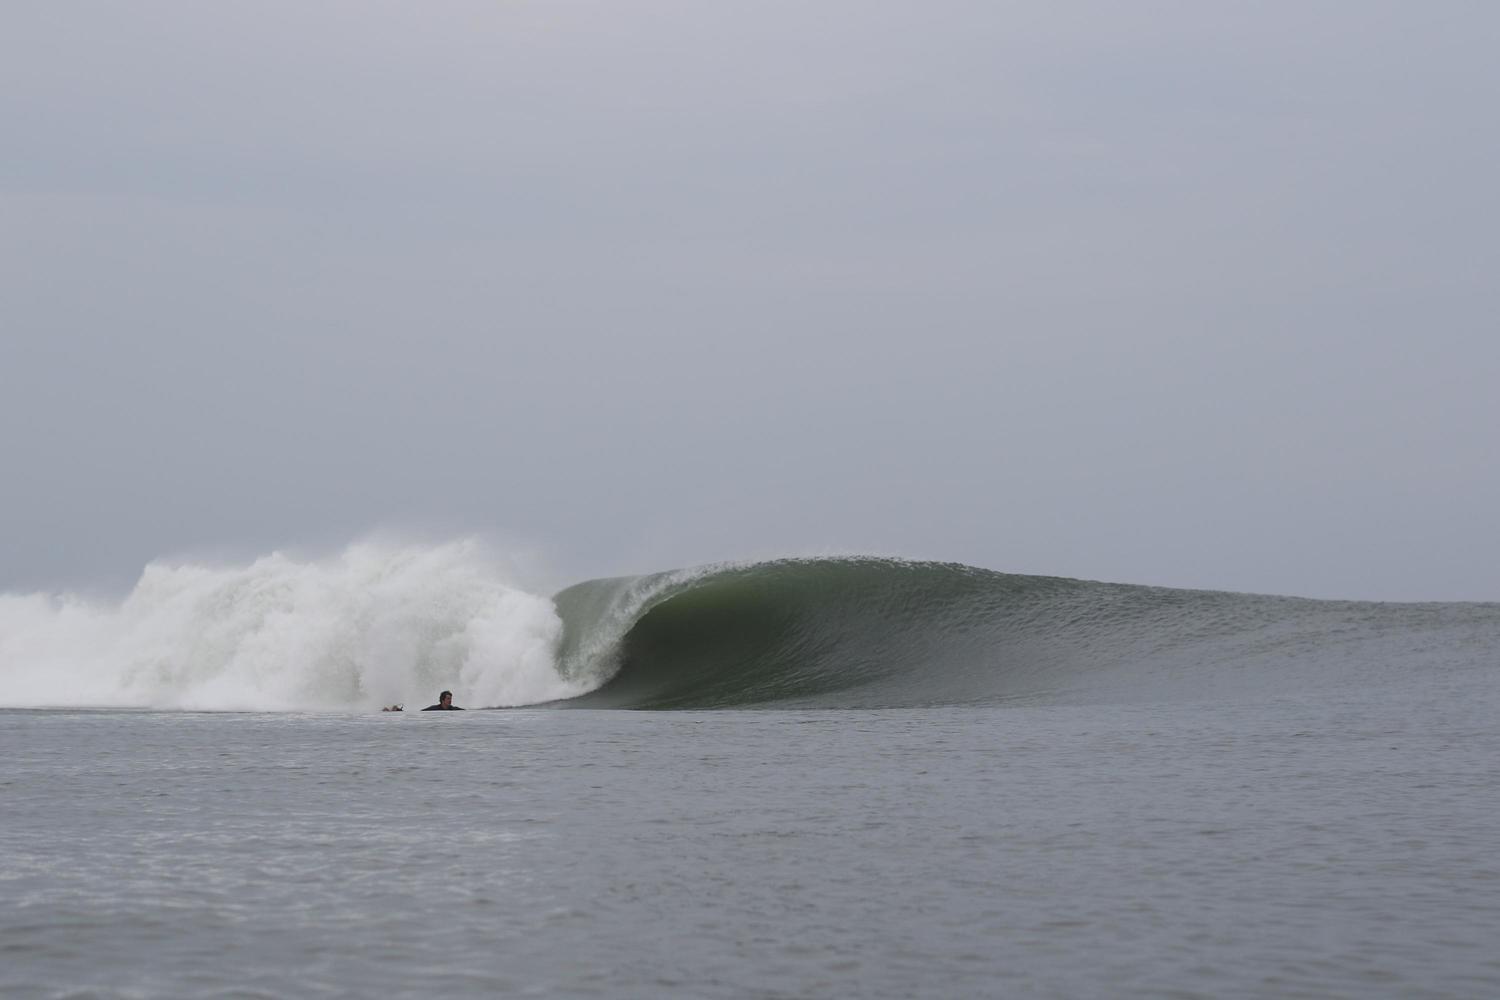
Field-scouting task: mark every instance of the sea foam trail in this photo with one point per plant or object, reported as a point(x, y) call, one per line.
point(373, 625)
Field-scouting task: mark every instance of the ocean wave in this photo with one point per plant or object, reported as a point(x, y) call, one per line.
point(870, 633)
point(380, 623)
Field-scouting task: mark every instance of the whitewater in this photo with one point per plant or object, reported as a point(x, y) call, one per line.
point(788, 778)
point(376, 624)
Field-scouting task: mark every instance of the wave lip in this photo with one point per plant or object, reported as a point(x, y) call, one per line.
point(875, 633)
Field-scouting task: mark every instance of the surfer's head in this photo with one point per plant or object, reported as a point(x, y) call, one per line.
point(445, 699)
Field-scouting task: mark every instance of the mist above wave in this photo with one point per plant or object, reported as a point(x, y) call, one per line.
point(374, 624)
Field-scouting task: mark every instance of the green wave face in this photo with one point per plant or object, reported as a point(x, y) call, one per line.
point(867, 633)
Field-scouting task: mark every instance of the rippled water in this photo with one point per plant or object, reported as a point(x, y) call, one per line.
point(1341, 847)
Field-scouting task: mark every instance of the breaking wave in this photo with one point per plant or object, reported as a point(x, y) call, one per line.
point(378, 624)
point(373, 625)
point(870, 633)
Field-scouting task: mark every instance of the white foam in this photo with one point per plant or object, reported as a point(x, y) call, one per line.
point(376, 624)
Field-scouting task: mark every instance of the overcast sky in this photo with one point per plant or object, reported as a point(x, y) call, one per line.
point(1186, 293)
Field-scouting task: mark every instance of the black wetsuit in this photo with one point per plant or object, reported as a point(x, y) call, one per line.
point(442, 708)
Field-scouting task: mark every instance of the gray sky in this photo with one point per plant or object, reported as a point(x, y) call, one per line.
point(1198, 294)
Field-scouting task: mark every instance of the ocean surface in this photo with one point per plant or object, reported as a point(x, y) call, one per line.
point(799, 778)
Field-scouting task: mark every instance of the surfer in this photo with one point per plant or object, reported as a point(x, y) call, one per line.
point(445, 704)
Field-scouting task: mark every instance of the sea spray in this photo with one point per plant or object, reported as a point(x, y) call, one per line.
point(375, 624)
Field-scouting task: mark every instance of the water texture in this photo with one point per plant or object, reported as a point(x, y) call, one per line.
point(798, 778)
point(378, 625)
point(1342, 848)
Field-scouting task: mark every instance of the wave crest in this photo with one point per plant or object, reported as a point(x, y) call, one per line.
point(876, 633)
point(383, 623)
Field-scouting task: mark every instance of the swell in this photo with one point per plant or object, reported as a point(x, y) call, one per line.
point(869, 633)
point(383, 622)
